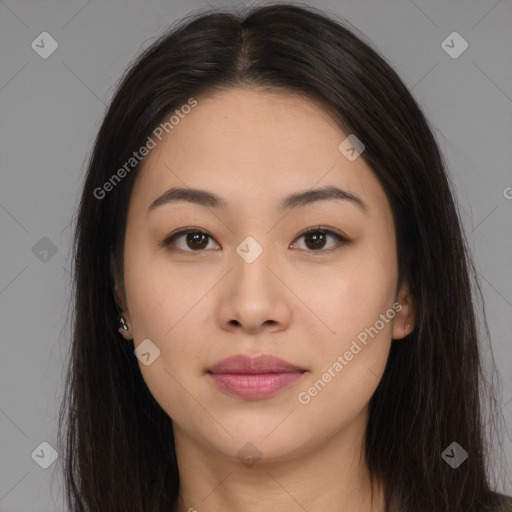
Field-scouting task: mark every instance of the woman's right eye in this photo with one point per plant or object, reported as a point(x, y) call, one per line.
point(195, 240)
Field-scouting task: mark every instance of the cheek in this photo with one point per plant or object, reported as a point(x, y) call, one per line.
point(175, 322)
point(159, 311)
point(350, 364)
point(350, 297)
point(158, 293)
point(167, 305)
point(357, 304)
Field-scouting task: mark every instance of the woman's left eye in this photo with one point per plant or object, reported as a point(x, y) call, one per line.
point(197, 240)
point(315, 238)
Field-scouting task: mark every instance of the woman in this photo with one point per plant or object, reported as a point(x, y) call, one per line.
point(267, 211)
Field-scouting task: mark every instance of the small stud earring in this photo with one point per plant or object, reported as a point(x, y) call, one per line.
point(123, 326)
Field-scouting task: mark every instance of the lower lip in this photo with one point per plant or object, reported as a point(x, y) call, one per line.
point(254, 385)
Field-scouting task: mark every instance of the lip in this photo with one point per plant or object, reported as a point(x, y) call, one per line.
point(260, 364)
point(254, 377)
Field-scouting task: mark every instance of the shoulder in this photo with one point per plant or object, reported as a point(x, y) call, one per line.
point(504, 504)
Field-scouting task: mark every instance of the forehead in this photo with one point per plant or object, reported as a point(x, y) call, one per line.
point(244, 144)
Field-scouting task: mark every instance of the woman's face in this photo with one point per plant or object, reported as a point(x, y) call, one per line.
point(256, 284)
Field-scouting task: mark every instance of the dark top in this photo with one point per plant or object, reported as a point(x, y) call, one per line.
point(505, 505)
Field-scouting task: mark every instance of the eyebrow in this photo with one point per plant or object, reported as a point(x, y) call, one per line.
point(297, 200)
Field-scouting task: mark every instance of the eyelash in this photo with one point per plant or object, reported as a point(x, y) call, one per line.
point(342, 241)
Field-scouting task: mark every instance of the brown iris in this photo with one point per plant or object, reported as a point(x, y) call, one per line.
point(201, 239)
point(317, 238)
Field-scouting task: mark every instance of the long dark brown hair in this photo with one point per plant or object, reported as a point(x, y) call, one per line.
point(118, 442)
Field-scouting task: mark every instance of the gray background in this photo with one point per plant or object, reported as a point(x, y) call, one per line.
point(51, 110)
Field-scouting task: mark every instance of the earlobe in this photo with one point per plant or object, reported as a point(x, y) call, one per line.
point(124, 328)
point(405, 318)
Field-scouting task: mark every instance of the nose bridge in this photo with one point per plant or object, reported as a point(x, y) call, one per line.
point(254, 256)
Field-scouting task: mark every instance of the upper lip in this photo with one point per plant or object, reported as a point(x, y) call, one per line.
point(260, 364)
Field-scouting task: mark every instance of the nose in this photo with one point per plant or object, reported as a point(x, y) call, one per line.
point(255, 297)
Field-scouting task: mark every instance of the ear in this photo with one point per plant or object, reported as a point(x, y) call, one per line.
point(405, 318)
point(119, 296)
point(116, 285)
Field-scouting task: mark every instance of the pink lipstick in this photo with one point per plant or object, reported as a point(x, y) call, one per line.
point(254, 377)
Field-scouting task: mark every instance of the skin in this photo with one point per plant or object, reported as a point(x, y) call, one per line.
point(295, 302)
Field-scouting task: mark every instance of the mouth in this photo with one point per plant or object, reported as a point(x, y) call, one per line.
point(254, 377)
